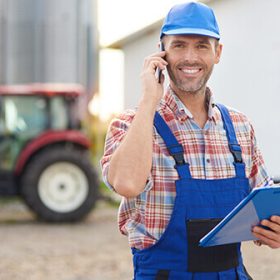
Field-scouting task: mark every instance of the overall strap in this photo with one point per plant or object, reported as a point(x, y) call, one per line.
point(174, 148)
point(233, 144)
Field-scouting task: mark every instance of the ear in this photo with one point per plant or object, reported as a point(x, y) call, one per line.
point(218, 53)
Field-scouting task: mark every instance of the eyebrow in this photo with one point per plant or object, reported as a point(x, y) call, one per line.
point(200, 41)
point(177, 41)
point(204, 41)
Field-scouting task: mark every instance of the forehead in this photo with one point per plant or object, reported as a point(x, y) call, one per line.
point(188, 39)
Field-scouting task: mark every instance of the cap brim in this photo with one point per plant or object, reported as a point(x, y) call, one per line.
point(191, 31)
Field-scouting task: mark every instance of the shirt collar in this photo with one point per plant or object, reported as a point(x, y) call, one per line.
point(182, 112)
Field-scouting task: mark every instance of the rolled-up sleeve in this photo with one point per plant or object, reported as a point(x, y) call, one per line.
point(258, 176)
point(115, 134)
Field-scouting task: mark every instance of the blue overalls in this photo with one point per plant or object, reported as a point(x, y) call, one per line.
point(199, 205)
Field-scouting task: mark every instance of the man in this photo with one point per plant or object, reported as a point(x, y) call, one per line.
point(182, 162)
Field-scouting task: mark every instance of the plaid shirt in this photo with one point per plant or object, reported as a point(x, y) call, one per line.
point(144, 218)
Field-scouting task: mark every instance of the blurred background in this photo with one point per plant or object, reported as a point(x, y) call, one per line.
point(67, 67)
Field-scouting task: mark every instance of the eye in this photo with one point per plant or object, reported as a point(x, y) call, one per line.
point(202, 46)
point(178, 46)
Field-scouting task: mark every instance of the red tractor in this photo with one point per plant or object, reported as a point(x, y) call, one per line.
point(44, 155)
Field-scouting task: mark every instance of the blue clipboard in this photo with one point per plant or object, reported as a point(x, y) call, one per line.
point(260, 204)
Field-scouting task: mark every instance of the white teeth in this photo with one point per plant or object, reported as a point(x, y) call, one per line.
point(190, 71)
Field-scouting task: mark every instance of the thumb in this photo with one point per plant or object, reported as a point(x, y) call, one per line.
point(162, 79)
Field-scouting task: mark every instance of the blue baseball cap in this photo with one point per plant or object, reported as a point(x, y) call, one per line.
point(191, 18)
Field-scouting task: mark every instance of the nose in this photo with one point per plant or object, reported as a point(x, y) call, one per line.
point(190, 54)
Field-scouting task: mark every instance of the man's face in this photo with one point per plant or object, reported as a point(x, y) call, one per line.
point(190, 61)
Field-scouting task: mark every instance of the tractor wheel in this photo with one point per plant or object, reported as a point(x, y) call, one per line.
point(60, 185)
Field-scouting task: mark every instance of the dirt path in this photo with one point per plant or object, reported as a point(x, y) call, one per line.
point(91, 250)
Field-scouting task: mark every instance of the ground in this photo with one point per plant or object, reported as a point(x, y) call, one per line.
point(89, 250)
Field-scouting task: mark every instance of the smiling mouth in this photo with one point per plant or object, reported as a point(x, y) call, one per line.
point(191, 71)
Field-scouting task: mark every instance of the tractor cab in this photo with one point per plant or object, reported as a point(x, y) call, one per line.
point(44, 153)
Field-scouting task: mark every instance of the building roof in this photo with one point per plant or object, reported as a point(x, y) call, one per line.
point(119, 44)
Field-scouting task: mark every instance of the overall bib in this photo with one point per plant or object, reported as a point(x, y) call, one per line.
point(199, 205)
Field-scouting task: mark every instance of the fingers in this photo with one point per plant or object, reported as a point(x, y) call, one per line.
point(151, 63)
point(152, 89)
point(267, 241)
point(270, 235)
point(158, 54)
point(273, 223)
point(276, 219)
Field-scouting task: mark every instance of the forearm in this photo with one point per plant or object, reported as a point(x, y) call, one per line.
point(131, 163)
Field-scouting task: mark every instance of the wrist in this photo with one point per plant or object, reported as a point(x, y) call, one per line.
point(147, 105)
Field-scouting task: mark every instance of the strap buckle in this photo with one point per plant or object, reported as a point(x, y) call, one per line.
point(236, 152)
point(237, 156)
point(177, 152)
point(179, 158)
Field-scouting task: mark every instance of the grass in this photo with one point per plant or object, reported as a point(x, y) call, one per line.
point(9, 199)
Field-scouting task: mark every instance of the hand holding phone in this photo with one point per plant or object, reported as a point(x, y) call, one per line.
point(159, 71)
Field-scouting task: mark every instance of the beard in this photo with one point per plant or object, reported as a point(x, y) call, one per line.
point(190, 85)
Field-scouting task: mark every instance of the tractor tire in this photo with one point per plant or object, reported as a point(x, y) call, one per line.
point(60, 184)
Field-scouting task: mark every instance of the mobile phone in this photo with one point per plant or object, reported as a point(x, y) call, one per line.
point(159, 71)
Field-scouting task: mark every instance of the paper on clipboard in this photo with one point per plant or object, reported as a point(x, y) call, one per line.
point(260, 204)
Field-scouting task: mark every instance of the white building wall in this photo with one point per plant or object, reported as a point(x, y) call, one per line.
point(135, 53)
point(248, 76)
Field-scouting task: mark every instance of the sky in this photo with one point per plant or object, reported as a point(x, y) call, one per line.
point(117, 19)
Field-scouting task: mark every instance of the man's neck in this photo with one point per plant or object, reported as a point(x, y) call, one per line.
point(196, 104)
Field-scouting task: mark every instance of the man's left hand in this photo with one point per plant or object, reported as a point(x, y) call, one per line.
point(271, 236)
